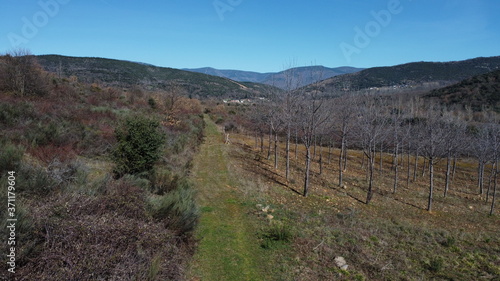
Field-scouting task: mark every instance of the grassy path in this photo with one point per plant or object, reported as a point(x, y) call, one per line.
point(228, 247)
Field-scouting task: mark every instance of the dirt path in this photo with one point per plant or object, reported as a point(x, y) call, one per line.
point(228, 247)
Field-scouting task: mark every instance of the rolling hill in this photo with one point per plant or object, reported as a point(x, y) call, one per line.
point(302, 76)
point(411, 74)
point(478, 92)
point(129, 74)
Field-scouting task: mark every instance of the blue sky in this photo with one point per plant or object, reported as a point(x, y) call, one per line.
point(255, 35)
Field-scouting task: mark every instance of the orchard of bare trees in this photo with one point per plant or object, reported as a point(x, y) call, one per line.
point(406, 128)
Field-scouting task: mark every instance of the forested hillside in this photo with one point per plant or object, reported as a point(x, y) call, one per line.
point(129, 74)
point(480, 92)
point(411, 74)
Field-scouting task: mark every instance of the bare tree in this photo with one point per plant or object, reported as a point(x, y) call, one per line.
point(311, 117)
point(396, 139)
point(370, 131)
point(453, 143)
point(481, 150)
point(433, 146)
point(344, 108)
point(21, 74)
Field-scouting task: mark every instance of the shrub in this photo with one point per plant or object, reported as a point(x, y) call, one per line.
point(138, 147)
point(178, 208)
point(34, 180)
point(277, 234)
point(10, 114)
point(10, 158)
point(164, 181)
point(436, 264)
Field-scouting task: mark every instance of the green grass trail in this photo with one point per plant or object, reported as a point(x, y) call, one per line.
point(228, 247)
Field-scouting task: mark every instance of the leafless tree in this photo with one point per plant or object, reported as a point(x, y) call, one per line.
point(481, 149)
point(433, 134)
point(453, 143)
point(343, 121)
point(396, 137)
point(370, 131)
point(311, 116)
point(21, 74)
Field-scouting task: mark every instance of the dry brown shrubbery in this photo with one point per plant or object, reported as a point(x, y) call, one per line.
point(75, 221)
point(108, 237)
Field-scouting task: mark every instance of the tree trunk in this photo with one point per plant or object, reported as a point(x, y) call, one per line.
point(415, 167)
point(341, 160)
point(431, 184)
point(369, 195)
point(381, 160)
point(494, 189)
point(447, 179)
point(454, 168)
point(308, 169)
point(288, 136)
point(396, 169)
point(330, 153)
point(492, 173)
point(480, 174)
point(320, 157)
point(408, 170)
point(345, 156)
point(424, 168)
point(314, 148)
point(296, 143)
point(261, 142)
point(276, 151)
point(270, 142)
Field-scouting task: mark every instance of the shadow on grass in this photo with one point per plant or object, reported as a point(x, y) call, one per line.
point(253, 163)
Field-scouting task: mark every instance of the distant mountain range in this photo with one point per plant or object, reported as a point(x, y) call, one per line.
point(287, 79)
point(410, 74)
point(129, 74)
point(210, 82)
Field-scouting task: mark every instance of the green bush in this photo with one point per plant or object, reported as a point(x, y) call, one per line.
point(139, 142)
point(10, 114)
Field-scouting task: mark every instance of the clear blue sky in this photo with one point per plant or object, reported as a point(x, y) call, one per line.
point(255, 35)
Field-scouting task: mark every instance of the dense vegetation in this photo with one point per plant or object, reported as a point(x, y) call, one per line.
point(77, 219)
point(411, 74)
point(478, 93)
point(129, 74)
